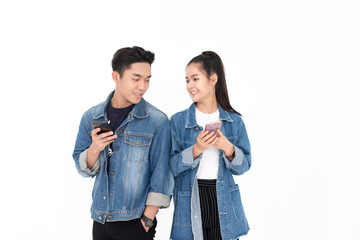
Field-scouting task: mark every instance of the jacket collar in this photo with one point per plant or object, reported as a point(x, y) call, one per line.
point(190, 121)
point(139, 110)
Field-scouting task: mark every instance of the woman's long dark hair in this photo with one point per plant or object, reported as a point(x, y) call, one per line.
point(211, 63)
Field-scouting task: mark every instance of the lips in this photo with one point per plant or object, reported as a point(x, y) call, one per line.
point(139, 95)
point(193, 92)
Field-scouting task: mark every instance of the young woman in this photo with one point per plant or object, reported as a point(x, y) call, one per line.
point(207, 200)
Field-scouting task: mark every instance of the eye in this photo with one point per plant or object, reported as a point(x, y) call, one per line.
point(135, 79)
point(195, 79)
point(187, 81)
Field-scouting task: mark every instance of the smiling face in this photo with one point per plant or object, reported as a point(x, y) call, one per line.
point(132, 85)
point(200, 87)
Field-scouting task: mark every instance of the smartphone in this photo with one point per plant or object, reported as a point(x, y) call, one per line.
point(103, 125)
point(213, 126)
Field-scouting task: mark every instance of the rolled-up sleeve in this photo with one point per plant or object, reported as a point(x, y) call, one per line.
point(242, 160)
point(83, 142)
point(181, 160)
point(83, 165)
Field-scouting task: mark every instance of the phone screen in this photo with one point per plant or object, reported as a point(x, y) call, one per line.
point(103, 125)
point(213, 126)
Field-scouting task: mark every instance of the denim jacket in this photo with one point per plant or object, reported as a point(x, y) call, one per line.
point(139, 173)
point(187, 216)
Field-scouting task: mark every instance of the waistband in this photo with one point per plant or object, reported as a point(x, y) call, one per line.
point(207, 182)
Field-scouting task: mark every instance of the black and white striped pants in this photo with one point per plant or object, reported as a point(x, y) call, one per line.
point(209, 209)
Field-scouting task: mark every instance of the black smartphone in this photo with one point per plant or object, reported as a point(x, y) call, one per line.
point(103, 125)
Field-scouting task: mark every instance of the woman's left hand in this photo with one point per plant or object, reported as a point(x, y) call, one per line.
point(224, 144)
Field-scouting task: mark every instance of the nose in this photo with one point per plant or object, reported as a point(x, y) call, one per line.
point(142, 85)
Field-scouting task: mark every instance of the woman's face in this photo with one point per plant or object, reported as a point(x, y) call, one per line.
point(198, 84)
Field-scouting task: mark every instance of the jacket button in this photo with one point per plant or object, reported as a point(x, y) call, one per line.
point(109, 216)
point(100, 218)
point(104, 197)
point(197, 128)
point(112, 172)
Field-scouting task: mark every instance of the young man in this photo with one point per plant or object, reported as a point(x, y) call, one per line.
point(130, 162)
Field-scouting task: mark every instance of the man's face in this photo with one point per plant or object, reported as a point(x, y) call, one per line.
point(132, 85)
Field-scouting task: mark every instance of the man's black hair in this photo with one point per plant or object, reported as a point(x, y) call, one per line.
point(124, 57)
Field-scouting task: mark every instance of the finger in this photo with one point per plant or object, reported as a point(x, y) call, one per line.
point(103, 138)
point(203, 133)
point(220, 133)
point(211, 134)
point(212, 139)
point(216, 143)
point(105, 143)
point(108, 139)
point(106, 134)
point(95, 131)
point(109, 142)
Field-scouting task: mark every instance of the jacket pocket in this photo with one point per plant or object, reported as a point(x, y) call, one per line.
point(182, 211)
point(137, 147)
point(236, 203)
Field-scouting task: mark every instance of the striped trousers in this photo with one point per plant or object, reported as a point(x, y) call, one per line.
point(209, 209)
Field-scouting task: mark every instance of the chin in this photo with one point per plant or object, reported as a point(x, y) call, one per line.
point(136, 101)
point(194, 99)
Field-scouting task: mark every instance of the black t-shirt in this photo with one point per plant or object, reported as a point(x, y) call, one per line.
point(116, 116)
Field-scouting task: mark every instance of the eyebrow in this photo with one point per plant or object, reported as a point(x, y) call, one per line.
point(139, 75)
point(192, 75)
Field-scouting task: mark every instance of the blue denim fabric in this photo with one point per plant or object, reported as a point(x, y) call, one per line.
point(187, 216)
point(139, 171)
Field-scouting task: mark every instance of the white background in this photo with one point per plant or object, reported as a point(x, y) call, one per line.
point(293, 71)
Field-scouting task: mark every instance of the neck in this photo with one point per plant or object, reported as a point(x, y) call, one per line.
point(119, 102)
point(208, 106)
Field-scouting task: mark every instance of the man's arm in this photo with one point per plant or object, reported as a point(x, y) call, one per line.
point(99, 142)
point(161, 179)
point(87, 150)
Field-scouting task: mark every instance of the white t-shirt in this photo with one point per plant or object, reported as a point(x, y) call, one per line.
point(209, 163)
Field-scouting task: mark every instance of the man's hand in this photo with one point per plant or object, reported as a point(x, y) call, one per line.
point(145, 227)
point(150, 212)
point(99, 142)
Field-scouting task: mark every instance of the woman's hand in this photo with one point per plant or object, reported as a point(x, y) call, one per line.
point(203, 142)
point(224, 144)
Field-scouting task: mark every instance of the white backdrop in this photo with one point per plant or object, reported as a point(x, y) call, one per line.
point(293, 71)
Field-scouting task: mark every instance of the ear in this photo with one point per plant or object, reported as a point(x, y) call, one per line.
point(213, 79)
point(115, 76)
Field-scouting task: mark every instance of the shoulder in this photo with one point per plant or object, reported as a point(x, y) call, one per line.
point(95, 110)
point(179, 115)
point(154, 112)
point(235, 117)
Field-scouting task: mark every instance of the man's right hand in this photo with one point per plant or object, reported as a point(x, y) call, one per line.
point(99, 142)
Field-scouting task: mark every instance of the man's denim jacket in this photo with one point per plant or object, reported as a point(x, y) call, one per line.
point(187, 216)
point(139, 173)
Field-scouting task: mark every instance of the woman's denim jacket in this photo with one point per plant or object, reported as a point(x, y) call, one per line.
point(187, 216)
point(139, 171)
